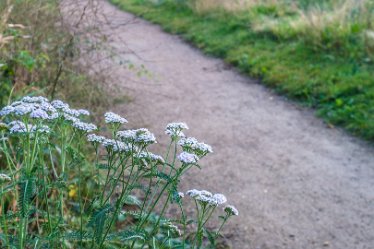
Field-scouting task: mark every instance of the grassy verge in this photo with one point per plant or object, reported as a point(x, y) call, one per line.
point(339, 86)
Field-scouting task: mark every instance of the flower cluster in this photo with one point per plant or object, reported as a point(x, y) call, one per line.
point(141, 136)
point(112, 118)
point(175, 129)
point(231, 210)
point(35, 109)
point(190, 144)
point(149, 156)
point(187, 158)
point(207, 197)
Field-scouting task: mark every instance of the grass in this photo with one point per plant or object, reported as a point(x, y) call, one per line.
point(337, 79)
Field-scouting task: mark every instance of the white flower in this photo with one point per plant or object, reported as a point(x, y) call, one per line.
point(175, 129)
point(18, 127)
point(58, 104)
point(84, 112)
point(95, 138)
point(112, 118)
point(23, 109)
point(7, 110)
point(187, 158)
point(68, 117)
point(41, 129)
point(144, 136)
point(191, 144)
point(150, 156)
point(71, 112)
point(38, 99)
point(4, 178)
point(116, 145)
point(84, 126)
point(180, 195)
point(231, 210)
point(207, 197)
point(219, 199)
point(127, 136)
point(39, 114)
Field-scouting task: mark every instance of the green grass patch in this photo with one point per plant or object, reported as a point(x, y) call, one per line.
point(339, 87)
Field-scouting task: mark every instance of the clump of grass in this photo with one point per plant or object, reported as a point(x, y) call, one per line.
point(54, 194)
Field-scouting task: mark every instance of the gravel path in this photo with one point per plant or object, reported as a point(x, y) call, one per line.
point(297, 183)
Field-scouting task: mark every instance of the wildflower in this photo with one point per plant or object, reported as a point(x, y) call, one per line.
point(58, 104)
point(95, 138)
point(86, 127)
point(6, 110)
point(187, 158)
point(39, 99)
point(23, 109)
point(4, 178)
point(144, 136)
point(175, 129)
point(70, 118)
point(73, 191)
point(191, 144)
point(231, 210)
point(83, 112)
point(18, 127)
point(219, 199)
point(39, 114)
point(150, 157)
point(116, 145)
point(207, 197)
point(112, 118)
point(180, 195)
point(127, 136)
point(44, 129)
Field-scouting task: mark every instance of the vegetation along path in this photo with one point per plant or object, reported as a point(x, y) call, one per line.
point(297, 183)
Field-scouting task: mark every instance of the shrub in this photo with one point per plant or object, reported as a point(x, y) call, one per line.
point(55, 194)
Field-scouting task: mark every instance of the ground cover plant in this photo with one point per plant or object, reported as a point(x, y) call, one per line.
point(317, 52)
point(55, 193)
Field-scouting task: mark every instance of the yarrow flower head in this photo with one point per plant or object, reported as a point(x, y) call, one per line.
point(43, 129)
point(206, 197)
point(187, 158)
point(39, 99)
point(175, 129)
point(115, 145)
point(112, 118)
point(4, 178)
point(190, 144)
point(93, 138)
point(58, 104)
point(231, 210)
point(17, 127)
point(149, 156)
point(141, 136)
point(39, 114)
point(86, 127)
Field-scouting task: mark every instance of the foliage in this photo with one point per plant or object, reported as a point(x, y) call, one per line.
point(54, 194)
point(38, 52)
point(334, 75)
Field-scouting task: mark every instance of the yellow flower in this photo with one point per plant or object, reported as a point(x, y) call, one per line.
point(73, 189)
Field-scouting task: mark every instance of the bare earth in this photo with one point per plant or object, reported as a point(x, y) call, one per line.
point(297, 183)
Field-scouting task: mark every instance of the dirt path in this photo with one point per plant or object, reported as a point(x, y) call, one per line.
point(297, 183)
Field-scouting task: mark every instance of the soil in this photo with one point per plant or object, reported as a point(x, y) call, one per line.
point(297, 182)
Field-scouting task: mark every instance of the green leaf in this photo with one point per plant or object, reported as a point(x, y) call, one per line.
point(97, 221)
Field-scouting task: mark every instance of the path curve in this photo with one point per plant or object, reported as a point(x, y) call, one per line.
point(297, 183)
